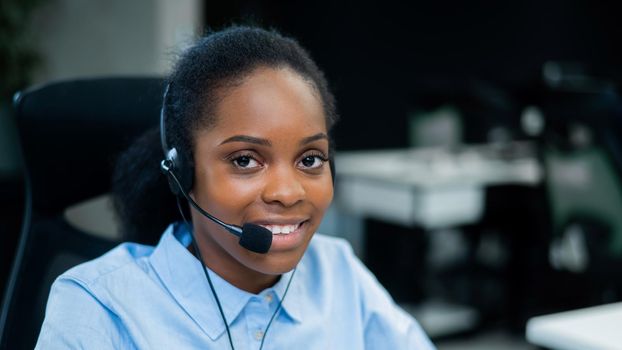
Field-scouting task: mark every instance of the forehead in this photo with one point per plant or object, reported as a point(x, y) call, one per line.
point(269, 98)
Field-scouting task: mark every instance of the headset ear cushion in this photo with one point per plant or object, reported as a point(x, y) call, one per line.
point(179, 171)
point(172, 185)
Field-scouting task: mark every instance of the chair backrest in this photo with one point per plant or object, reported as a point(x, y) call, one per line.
point(70, 133)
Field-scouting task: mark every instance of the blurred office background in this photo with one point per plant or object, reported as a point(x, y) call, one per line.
point(479, 146)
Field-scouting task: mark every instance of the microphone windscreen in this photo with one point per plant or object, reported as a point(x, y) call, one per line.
point(256, 238)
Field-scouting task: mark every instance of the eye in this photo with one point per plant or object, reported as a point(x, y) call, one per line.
point(312, 161)
point(245, 162)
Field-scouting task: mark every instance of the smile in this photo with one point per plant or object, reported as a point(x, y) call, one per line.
point(283, 229)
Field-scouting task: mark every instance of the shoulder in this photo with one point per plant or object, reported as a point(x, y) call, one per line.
point(123, 263)
point(386, 325)
point(76, 316)
point(120, 258)
point(103, 281)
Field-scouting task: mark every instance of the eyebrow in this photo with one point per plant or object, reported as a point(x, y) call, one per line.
point(318, 136)
point(247, 139)
point(265, 142)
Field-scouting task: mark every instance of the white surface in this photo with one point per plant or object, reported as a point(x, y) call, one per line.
point(433, 188)
point(438, 167)
point(597, 327)
point(440, 318)
point(406, 205)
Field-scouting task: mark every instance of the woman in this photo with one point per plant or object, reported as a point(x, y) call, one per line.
point(245, 127)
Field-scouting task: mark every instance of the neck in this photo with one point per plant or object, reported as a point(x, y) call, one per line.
point(229, 269)
point(249, 282)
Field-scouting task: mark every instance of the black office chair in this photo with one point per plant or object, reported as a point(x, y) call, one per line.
point(70, 133)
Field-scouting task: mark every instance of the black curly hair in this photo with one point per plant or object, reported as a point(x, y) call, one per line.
point(203, 73)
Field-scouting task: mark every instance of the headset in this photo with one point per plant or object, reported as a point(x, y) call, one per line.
point(176, 161)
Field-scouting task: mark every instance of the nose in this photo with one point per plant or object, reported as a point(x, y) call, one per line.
point(283, 186)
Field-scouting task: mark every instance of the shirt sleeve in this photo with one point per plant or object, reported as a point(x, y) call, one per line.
point(75, 319)
point(386, 325)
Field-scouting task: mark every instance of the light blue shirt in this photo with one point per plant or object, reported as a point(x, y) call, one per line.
point(143, 297)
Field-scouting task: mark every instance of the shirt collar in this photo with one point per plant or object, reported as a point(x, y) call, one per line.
point(182, 274)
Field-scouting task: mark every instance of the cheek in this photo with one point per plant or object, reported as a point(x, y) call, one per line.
point(321, 194)
point(225, 194)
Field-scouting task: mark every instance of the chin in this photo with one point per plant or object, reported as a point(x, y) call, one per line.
point(275, 263)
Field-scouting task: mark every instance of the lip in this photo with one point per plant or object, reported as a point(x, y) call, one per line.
point(280, 221)
point(289, 241)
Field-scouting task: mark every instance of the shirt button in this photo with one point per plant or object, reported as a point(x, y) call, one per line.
point(268, 298)
point(258, 335)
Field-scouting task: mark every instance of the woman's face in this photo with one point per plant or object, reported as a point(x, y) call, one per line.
point(264, 161)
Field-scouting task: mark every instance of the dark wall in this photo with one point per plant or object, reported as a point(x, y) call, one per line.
point(387, 57)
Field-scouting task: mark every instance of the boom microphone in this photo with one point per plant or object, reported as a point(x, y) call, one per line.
point(253, 237)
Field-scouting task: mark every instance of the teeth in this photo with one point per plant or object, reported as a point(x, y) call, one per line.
point(281, 229)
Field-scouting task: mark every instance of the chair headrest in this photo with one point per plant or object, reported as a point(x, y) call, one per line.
point(72, 131)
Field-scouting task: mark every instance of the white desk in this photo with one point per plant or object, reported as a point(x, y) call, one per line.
point(432, 188)
point(597, 327)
